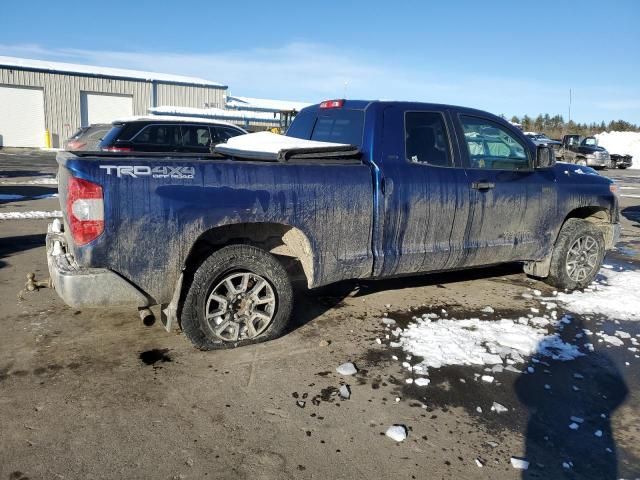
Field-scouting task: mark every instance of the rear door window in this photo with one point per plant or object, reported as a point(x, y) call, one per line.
point(491, 146)
point(225, 133)
point(196, 137)
point(158, 135)
point(426, 139)
point(332, 125)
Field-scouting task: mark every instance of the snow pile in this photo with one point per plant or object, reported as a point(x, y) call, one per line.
point(614, 294)
point(36, 181)
point(29, 215)
point(481, 342)
point(622, 143)
point(269, 144)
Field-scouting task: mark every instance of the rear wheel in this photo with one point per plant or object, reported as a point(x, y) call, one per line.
point(239, 295)
point(577, 255)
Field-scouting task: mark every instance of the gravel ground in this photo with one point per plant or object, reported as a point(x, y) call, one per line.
point(95, 394)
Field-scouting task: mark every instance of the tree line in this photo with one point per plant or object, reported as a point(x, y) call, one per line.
point(555, 126)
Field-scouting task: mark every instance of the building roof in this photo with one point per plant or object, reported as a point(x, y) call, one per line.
point(263, 104)
point(59, 67)
point(172, 118)
point(216, 113)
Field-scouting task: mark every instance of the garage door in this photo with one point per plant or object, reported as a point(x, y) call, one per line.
point(104, 108)
point(21, 117)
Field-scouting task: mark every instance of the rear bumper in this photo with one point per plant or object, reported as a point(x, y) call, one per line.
point(87, 287)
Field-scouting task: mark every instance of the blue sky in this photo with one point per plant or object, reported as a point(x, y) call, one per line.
point(507, 57)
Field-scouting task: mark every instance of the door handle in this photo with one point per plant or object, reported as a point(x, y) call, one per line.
point(483, 185)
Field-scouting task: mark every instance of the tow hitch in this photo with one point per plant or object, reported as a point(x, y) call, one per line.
point(33, 285)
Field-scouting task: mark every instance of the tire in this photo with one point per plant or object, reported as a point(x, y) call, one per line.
point(622, 167)
point(564, 251)
point(245, 267)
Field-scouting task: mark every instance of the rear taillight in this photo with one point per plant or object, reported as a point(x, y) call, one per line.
point(118, 149)
point(75, 145)
point(332, 104)
point(85, 210)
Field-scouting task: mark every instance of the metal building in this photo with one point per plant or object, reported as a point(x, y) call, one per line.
point(252, 114)
point(45, 102)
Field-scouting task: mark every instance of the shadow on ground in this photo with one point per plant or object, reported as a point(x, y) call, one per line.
point(23, 193)
point(569, 433)
point(632, 214)
point(20, 243)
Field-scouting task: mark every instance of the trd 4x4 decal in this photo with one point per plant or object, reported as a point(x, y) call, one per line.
point(136, 171)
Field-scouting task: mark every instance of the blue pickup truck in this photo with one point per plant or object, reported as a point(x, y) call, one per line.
point(362, 190)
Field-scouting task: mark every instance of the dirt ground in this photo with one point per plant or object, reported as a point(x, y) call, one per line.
point(95, 394)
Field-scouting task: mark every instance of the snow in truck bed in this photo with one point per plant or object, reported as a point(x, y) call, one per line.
point(267, 145)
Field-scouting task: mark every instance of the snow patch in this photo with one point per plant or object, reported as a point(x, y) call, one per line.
point(498, 408)
point(397, 433)
point(422, 381)
point(481, 342)
point(30, 215)
point(519, 463)
point(347, 369)
point(609, 296)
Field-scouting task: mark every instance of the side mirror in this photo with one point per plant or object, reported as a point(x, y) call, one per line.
point(545, 157)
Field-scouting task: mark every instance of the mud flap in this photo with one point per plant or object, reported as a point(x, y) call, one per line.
point(169, 313)
point(538, 269)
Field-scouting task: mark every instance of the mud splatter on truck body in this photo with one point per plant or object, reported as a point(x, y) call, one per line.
point(390, 211)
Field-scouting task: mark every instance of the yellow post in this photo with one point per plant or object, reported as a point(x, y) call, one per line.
point(47, 138)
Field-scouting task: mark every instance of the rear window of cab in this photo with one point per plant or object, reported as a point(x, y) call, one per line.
point(333, 125)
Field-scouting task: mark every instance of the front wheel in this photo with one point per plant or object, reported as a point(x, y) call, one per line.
point(581, 162)
point(577, 255)
point(239, 295)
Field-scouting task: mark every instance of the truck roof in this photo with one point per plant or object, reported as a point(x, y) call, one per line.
point(365, 104)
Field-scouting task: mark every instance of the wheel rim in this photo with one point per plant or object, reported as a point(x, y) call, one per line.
point(240, 307)
point(582, 163)
point(582, 258)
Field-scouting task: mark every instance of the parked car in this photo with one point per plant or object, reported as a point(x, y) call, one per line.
point(542, 139)
point(88, 138)
point(584, 151)
point(621, 161)
point(355, 190)
point(167, 134)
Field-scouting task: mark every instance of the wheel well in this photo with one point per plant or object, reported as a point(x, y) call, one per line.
point(598, 215)
point(281, 240)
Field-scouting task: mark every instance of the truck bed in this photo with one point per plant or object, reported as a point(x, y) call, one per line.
point(158, 206)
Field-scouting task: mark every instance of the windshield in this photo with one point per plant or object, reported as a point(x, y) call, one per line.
point(590, 141)
point(331, 125)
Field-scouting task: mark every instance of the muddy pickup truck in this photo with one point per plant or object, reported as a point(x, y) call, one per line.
point(355, 190)
point(584, 151)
